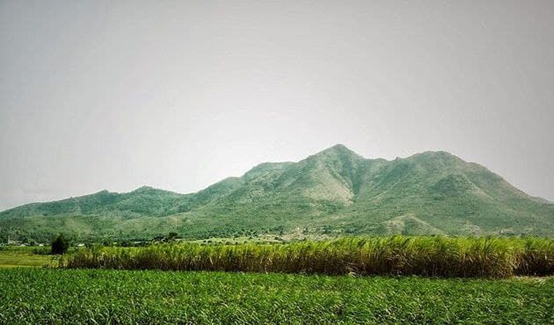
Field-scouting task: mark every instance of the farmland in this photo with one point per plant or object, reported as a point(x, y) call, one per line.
point(31, 295)
point(461, 280)
point(424, 256)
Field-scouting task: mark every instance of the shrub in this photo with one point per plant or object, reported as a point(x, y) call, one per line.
point(60, 245)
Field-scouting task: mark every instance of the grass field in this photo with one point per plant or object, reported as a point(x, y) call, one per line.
point(426, 256)
point(25, 257)
point(55, 296)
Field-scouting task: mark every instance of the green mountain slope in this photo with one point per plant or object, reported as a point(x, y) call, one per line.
point(333, 192)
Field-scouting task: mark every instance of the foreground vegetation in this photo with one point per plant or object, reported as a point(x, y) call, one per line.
point(156, 297)
point(426, 256)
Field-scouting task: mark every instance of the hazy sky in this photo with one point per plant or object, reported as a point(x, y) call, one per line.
point(180, 94)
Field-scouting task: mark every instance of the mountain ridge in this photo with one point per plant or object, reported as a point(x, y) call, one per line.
point(333, 192)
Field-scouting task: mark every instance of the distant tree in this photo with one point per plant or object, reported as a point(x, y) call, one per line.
point(60, 245)
point(172, 236)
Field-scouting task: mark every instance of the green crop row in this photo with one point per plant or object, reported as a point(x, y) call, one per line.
point(58, 296)
point(425, 256)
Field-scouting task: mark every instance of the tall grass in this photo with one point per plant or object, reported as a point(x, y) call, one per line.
point(426, 256)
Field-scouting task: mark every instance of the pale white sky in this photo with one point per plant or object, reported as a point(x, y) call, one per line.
point(180, 94)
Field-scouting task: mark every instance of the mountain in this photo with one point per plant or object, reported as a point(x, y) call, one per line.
point(334, 192)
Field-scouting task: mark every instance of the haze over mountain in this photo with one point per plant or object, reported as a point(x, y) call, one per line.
point(334, 192)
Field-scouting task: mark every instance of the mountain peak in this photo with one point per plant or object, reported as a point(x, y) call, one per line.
point(339, 146)
point(338, 149)
point(149, 190)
